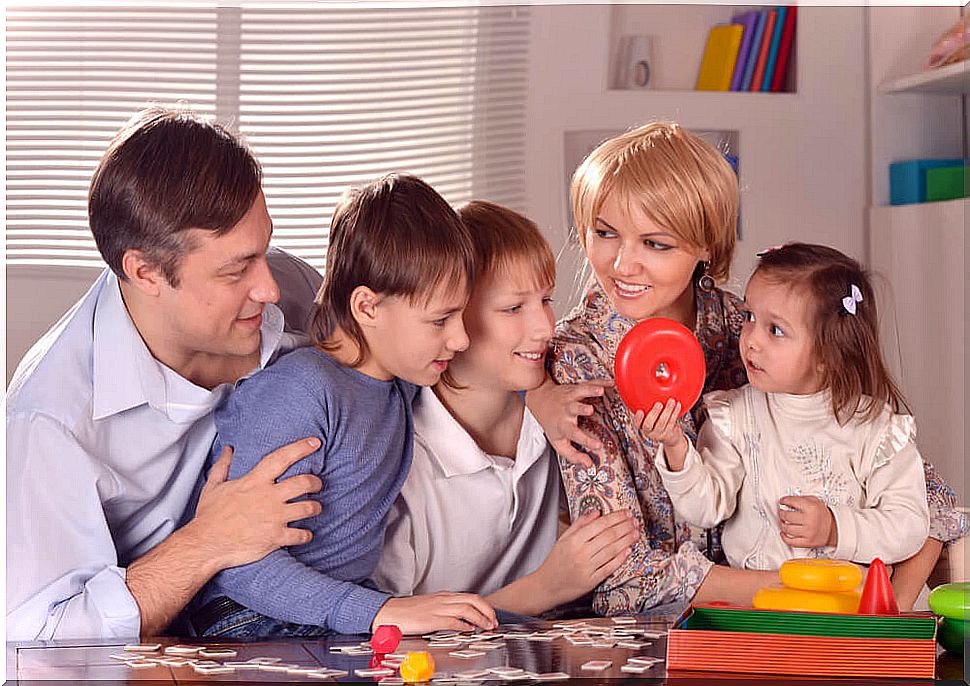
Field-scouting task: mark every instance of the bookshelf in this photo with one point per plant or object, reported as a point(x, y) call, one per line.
point(918, 250)
point(678, 37)
point(953, 79)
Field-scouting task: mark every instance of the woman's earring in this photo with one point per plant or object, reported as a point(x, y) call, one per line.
point(706, 282)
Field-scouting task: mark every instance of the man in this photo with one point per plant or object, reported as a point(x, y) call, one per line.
point(109, 416)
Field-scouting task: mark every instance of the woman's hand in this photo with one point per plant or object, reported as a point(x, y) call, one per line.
point(660, 425)
point(423, 613)
point(558, 408)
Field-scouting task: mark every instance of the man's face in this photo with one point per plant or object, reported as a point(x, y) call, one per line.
point(224, 284)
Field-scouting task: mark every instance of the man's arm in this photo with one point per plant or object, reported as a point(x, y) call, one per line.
point(251, 512)
point(63, 577)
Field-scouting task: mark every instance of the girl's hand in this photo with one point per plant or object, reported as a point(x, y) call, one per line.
point(660, 425)
point(808, 524)
point(591, 549)
point(558, 408)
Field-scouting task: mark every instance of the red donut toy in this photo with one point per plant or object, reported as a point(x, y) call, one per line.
point(659, 359)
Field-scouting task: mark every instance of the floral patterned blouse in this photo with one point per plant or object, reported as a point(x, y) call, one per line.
point(671, 559)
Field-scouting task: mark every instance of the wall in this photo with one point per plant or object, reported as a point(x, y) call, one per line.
point(803, 155)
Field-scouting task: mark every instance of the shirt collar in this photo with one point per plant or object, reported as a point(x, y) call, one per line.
point(125, 375)
point(456, 451)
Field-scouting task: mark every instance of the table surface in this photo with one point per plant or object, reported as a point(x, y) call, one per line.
point(73, 661)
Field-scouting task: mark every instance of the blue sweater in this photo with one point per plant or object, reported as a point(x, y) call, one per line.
point(366, 432)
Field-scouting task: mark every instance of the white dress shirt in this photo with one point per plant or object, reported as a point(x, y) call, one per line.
point(465, 520)
point(105, 446)
point(757, 447)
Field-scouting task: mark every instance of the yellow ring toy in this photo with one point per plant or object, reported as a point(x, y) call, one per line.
point(809, 574)
point(794, 599)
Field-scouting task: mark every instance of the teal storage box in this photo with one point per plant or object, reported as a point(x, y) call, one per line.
point(907, 180)
point(945, 183)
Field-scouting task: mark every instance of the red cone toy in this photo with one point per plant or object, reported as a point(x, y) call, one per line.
point(386, 639)
point(877, 594)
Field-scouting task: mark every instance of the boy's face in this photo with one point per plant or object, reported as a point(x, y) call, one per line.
point(224, 284)
point(416, 341)
point(510, 322)
point(644, 269)
point(777, 340)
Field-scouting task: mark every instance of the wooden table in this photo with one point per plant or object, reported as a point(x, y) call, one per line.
point(42, 663)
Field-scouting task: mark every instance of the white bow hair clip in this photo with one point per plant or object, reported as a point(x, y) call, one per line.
point(849, 301)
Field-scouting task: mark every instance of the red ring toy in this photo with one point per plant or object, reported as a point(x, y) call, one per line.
point(659, 359)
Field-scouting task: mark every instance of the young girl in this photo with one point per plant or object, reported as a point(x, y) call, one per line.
point(388, 320)
point(479, 510)
point(812, 457)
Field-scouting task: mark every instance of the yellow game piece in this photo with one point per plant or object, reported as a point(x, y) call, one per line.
point(809, 574)
point(417, 667)
point(783, 598)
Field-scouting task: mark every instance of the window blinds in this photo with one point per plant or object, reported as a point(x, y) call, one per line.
point(327, 97)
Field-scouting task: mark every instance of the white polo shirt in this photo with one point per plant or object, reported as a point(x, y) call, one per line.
point(465, 520)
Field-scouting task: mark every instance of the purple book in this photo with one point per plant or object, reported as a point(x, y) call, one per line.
point(748, 21)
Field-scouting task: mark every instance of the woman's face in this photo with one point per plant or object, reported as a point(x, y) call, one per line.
point(510, 323)
point(644, 269)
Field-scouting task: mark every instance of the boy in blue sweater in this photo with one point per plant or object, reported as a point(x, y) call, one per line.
point(388, 320)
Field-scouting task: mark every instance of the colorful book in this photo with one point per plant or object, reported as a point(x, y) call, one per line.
point(759, 30)
point(759, 67)
point(720, 56)
point(785, 50)
point(773, 49)
point(748, 20)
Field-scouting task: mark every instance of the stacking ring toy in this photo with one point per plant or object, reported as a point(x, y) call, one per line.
point(817, 574)
point(659, 359)
point(950, 600)
point(779, 597)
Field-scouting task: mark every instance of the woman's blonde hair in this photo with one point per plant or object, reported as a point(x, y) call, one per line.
point(679, 182)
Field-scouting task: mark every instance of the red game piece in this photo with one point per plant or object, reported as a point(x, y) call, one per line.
point(659, 359)
point(386, 638)
point(877, 594)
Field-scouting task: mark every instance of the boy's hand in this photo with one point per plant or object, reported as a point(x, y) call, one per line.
point(591, 549)
point(558, 408)
point(423, 613)
point(660, 425)
point(808, 524)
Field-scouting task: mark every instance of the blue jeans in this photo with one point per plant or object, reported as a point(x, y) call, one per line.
point(241, 622)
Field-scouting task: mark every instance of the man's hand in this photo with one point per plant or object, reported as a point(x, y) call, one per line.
point(558, 408)
point(808, 524)
point(660, 425)
point(423, 613)
point(245, 519)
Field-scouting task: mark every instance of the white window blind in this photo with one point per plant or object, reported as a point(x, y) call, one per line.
point(327, 97)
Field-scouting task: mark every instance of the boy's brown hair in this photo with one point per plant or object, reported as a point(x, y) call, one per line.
point(165, 172)
point(396, 236)
point(846, 344)
point(680, 182)
point(502, 239)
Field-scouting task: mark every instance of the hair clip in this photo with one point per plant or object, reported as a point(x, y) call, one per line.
point(768, 250)
point(849, 301)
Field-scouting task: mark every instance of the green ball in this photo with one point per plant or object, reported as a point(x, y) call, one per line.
point(952, 635)
point(950, 600)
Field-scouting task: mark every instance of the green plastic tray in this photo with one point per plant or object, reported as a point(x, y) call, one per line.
point(810, 623)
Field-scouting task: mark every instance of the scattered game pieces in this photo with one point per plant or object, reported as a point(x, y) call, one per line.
point(633, 668)
point(551, 676)
point(140, 664)
point(418, 666)
point(143, 647)
point(505, 671)
point(624, 620)
point(649, 661)
point(217, 653)
point(183, 650)
point(378, 671)
point(386, 639)
point(597, 665)
point(265, 660)
point(466, 654)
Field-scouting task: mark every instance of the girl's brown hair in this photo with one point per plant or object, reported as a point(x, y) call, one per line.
point(846, 344)
point(396, 236)
point(680, 182)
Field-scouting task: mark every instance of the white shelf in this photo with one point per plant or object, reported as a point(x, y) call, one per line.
point(953, 79)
